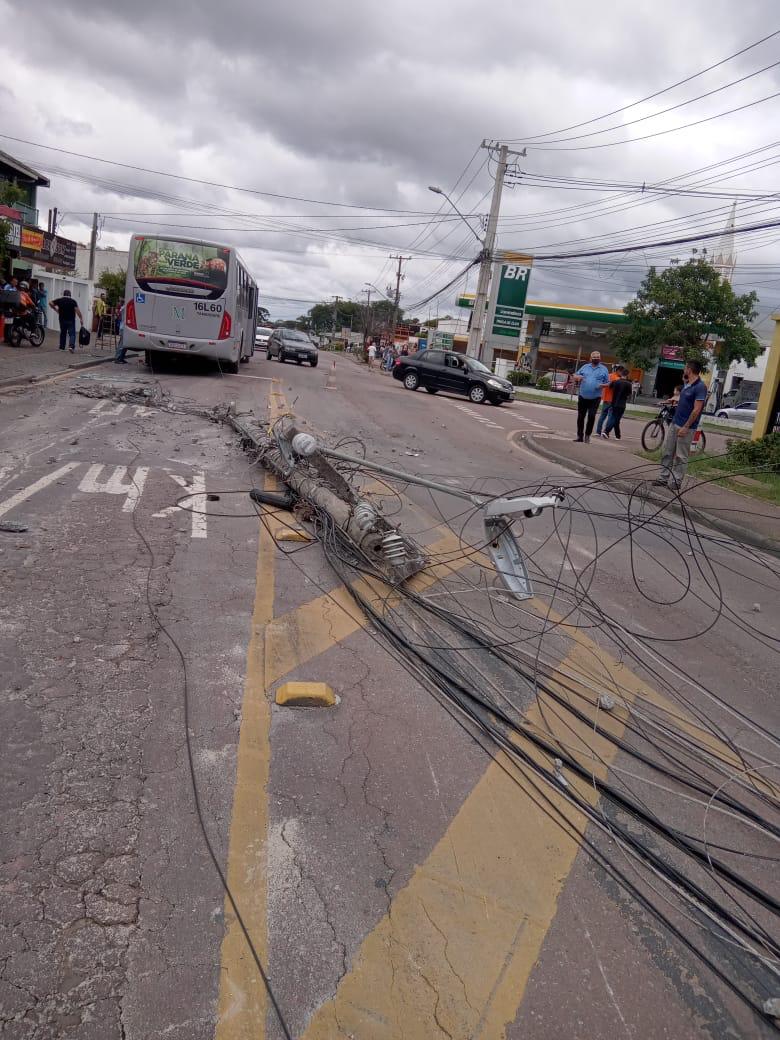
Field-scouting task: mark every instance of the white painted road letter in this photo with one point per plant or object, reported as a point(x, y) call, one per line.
point(193, 500)
point(119, 483)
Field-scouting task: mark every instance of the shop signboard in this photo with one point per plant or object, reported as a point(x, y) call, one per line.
point(44, 248)
point(14, 233)
point(671, 357)
point(671, 353)
point(32, 239)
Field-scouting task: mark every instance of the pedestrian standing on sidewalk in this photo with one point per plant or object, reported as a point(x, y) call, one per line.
point(677, 444)
point(621, 392)
point(606, 400)
point(100, 308)
point(591, 378)
point(120, 358)
point(42, 299)
point(67, 310)
point(371, 355)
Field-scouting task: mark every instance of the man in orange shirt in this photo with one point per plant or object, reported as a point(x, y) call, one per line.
point(606, 400)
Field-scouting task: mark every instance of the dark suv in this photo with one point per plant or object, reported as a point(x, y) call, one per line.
point(292, 345)
point(457, 374)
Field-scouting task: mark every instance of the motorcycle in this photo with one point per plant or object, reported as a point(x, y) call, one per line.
point(24, 325)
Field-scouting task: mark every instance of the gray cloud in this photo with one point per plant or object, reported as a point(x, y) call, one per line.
point(369, 104)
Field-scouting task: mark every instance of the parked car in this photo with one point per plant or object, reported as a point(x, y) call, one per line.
point(443, 370)
point(292, 345)
point(560, 381)
point(262, 335)
point(746, 412)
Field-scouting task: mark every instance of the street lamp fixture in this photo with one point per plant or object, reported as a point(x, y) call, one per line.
point(440, 191)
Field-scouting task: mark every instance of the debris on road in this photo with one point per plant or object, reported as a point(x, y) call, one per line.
point(13, 526)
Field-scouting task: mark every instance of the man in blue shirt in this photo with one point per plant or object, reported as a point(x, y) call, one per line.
point(591, 379)
point(677, 444)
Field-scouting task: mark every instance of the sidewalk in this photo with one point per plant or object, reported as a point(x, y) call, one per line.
point(20, 366)
point(741, 517)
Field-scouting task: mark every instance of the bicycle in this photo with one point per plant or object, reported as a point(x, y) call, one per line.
point(654, 433)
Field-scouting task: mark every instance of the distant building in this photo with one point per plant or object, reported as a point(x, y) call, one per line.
point(106, 259)
point(27, 246)
point(14, 171)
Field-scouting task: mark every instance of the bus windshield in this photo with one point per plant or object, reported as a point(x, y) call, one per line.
point(163, 265)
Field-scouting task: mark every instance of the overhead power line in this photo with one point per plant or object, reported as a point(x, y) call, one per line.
point(665, 111)
point(746, 229)
point(658, 133)
point(649, 97)
point(198, 180)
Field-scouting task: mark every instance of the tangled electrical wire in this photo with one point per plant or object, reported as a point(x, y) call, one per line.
point(579, 740)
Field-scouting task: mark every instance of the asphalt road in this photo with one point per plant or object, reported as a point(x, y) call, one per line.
point(395, 882)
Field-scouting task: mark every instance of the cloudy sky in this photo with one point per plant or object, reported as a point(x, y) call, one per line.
point(333, 118)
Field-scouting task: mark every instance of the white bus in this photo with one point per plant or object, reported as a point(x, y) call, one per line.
point(187, 296)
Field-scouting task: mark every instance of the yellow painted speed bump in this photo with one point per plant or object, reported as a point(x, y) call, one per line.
point(305, 695)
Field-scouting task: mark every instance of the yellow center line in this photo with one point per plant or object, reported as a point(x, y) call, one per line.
point(242, 1003)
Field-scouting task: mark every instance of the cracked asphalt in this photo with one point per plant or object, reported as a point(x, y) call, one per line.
point(386, 838)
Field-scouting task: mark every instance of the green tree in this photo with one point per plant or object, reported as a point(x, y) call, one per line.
point(113, 285)
point(688, 306)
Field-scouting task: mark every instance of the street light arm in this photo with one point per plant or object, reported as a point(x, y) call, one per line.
point(390, 298)
point(440, 191)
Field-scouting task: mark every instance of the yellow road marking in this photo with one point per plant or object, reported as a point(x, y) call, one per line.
point(461, 939)
point(314, 627)
point(241, 1009)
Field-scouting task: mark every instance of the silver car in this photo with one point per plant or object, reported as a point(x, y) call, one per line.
point(262, 335)
point(745, 412)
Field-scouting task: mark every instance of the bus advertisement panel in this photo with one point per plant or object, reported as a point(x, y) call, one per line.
point(181, 268)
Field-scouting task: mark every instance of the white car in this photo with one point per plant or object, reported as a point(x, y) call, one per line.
point(745, 412)
point(262, 335)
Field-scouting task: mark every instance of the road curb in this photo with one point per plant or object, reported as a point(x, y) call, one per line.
point(738, 533)
point(33, 380)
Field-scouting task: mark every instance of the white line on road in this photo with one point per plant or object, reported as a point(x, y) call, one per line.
point(196, 491)
point(39, 485)
point(106, 408)
point(246, 375)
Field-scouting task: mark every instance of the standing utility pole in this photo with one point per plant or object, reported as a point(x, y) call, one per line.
point(487, 257)
point(93, 246)
point(397, 298)
point(488, 247)
point(367, 322)
point(335, 313)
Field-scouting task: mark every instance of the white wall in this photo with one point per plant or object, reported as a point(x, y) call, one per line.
point(80, 288)
point(755, 373)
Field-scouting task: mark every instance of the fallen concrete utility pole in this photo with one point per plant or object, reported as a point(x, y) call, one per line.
point(301, 461)
point(313, 480)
